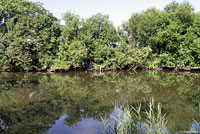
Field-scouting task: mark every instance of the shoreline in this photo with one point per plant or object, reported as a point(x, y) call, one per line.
point(91, 69)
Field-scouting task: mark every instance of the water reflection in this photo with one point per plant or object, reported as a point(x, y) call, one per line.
point(81, 127)
point(74, 102)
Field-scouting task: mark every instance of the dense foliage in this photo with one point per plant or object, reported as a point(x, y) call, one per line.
point(29, 35)
point(172, 34)
point(32, 38)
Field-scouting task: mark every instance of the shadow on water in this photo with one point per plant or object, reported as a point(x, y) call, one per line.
point(38, 103)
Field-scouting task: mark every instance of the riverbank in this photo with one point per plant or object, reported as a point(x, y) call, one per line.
point(100, 69)
point(94, 44)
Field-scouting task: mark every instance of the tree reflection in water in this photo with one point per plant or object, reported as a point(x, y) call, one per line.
point(31, 103)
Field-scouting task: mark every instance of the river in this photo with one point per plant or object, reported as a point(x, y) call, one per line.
point(74, 102)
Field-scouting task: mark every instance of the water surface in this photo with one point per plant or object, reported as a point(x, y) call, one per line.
point(74, 102)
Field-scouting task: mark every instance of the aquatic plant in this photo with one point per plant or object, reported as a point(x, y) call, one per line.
point(131, 120)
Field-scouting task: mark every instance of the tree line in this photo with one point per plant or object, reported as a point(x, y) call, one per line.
point(32, 38)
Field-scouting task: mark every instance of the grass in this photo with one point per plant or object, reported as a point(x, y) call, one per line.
point(130, 120)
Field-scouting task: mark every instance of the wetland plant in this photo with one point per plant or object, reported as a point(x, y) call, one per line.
point(133, 120)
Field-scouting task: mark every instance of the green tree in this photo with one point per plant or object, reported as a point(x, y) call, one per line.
point(72, 26)
point(31, 34)
point(169, 33)
point(100, 37)
point(77, 54)
point(70, 47)
point(142, 26)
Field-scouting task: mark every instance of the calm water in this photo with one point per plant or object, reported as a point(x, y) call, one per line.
point(73, 103)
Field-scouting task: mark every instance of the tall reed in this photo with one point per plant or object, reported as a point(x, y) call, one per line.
point(131, 120)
